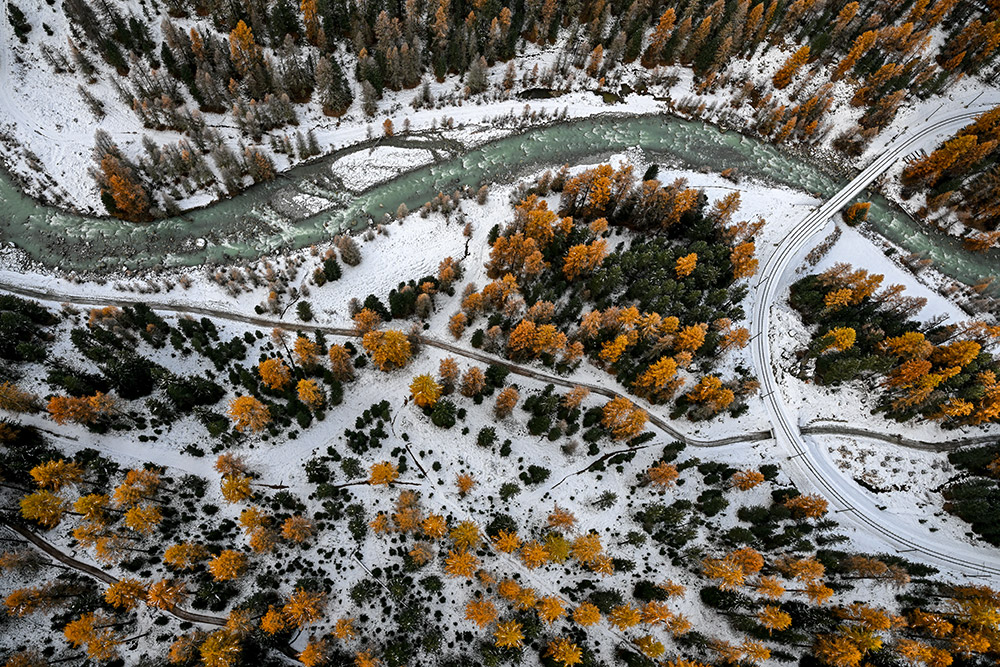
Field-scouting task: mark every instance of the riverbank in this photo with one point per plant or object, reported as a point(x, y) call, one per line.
point(249, 226)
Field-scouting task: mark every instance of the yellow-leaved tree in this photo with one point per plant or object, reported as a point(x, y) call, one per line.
point(783, 76)
point(311, 394)
point(248, 414)
point(425, 391)
point(125, 594)
point(44, 508)
point(389, 349)
point(56, 474)
point(228, 565)
point(384, 472)
point(481, 611)
point(274, 374)
point(623, 418)
point(686, 265)
point(508, 635)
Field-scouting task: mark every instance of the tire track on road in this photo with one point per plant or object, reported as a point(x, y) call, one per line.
point(805, 463)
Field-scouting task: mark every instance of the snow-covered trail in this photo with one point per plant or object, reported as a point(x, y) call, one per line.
point(55, 298)
point(99, 574)
point(806, 465)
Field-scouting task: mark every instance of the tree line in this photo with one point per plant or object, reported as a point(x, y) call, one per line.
point(256, 62)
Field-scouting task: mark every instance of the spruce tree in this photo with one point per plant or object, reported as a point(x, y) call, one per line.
point(284, 20)
point(477, 76)
point(369, 99)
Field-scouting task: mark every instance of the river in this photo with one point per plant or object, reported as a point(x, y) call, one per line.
point(248, 225)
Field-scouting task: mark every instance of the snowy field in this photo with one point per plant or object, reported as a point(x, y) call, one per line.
point(389, 259)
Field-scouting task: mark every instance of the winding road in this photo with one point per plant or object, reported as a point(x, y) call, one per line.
point(806, 465)
point(264, 322)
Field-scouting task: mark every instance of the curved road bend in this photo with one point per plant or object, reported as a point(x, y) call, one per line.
point(808, 468)
point(806, 465)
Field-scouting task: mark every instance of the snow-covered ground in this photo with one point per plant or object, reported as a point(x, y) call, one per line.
point(47, 131)
point(413, 249)
point(852, 403)
point(364, 169)
point(905, 482)
point(967, 94)
point(856, 249)
point(389, 259)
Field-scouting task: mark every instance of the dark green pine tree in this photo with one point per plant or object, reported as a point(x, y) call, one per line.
point(284, 20)
point(331, 85)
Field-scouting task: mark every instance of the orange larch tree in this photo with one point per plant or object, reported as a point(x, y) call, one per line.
point(55, 474)
point(306, 352)
point(727, 570)
point(389, 349)
point(125, 594)
point(228, 565)
point(456, 325)
point(506, 400)
point(773, 618)
point(783, 76)
point(243, 50)
point(744, 480)
point(506, 542)
point(81, 410)
point(304, 607)
point(297, 529)
point(143, 519)
point(139, 484)
point(625, 616)
point(623, 418)
point(248, 414)
point(473, 382)
point(686, 265)
point(562, 650)
point(466, 535)
point(367, 320)
point(340, 363)
point(15, 399)
point(274, 374)
point(425, 391)
point(461, 564)
point(661, 34)
point(131, 201)
point(464, 482)
point(235, 487)
point(586, 614)
point(184, 555)
point(809, 506)
point(861, 46)
point(311, 394)
point(314, 29)
point(44, 508)
point(448, 374)
point(383, 473)
point(743, 260)
point(481, 611)
point(508, 635)
point(662, 475)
